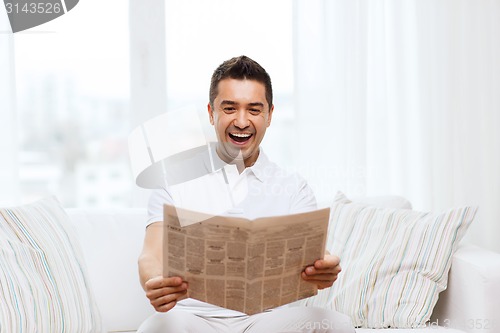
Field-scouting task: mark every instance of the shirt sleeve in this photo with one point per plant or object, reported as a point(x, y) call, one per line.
point(304, 199)
point(157, 199)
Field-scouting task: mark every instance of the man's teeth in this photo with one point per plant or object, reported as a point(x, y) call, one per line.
point(241, 135)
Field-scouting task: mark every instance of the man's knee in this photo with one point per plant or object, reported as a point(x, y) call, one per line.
point(303, 319)
point(328, 321)
point(173, 321)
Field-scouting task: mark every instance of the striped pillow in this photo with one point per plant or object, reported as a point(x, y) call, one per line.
point(394, 262)
point(43, 282)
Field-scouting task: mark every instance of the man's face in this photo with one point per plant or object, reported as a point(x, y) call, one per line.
point(240, 116)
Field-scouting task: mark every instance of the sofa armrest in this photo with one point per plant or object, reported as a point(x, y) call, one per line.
point(471, 301)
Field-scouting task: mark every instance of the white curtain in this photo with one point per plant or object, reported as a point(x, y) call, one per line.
point(402, 97)
point(9, 185)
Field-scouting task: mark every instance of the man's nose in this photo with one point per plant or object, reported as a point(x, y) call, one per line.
point(241, 120)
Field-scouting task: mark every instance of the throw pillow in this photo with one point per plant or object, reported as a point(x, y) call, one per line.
point(43, 281)
point(395, 262)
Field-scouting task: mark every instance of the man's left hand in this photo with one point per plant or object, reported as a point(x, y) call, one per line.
point(324, 271)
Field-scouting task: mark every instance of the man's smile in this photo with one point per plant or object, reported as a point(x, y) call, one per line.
point(239, 138)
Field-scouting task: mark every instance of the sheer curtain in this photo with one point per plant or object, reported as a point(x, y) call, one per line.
point(9, 189)
point(64, 108)
point(401, 97)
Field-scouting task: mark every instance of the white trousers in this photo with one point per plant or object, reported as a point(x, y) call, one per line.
point(282, 320)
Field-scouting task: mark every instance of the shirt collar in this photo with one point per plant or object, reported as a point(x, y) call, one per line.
point(260, 166)
point(258, 169)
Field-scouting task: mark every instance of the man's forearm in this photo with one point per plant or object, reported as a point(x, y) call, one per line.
point(151, 260)
point(149, 267)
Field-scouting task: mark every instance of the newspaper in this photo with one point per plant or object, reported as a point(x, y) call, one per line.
point(244, 265)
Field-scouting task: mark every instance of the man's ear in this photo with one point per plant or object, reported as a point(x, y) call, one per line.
point(270, 115)
point(210, 113)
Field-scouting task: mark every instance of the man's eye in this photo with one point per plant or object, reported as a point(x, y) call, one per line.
point(229, 109)
point(254, 111)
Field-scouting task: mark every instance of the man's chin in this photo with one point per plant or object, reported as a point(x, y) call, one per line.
point(229, 154)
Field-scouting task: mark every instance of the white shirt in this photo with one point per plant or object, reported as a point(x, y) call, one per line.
point(263, 189)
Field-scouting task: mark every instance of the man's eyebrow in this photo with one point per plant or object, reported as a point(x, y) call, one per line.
point(228, 102)
point(256, 104)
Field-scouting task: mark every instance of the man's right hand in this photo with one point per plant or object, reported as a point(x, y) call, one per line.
point(163, 293)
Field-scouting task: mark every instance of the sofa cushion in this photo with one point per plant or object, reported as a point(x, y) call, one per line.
point(394, 262)
point(43, 279)
point(111, 240)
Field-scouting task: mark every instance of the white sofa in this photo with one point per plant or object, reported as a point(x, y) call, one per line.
point(112, 239)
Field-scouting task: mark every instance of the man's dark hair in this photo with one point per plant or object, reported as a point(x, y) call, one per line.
point(240, 68)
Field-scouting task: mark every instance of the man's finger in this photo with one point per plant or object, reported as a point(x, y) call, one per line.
point(161, 282)
point(158, 302)
point(328, 261)
point(320, 277)
point(311, 270)
point(165, 307)
point(156, 293)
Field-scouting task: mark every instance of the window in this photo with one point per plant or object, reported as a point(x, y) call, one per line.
point(72, 81)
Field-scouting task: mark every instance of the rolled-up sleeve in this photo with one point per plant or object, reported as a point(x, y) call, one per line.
point(157, 199)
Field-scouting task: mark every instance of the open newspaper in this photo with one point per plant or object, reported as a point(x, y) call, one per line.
point(240, 264)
